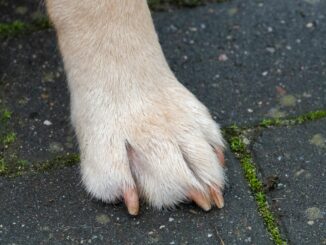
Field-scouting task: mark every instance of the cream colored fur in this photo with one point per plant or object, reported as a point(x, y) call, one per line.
point(136, 125)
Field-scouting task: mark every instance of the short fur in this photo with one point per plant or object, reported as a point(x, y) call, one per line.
point(136, 125)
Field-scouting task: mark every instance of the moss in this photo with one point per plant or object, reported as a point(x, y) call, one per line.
point(12, 166)
point(5, 115)
point(2, 166)
point(235, 138)
point(12, 29)
point(67, 160)
point(8, 159)
point(9, 138)
point(310, 116)
point(18, 27)
point(40, 23)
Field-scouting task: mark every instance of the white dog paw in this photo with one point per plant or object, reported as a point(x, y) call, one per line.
point(164, 148)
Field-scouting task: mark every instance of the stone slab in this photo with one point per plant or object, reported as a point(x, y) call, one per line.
point(33, 86)
point(53, 208)
point(295, 158)
point(247, 60)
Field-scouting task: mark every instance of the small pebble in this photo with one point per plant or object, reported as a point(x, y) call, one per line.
point(310, 222)
point(248, 239)
point(270, 50)
point(223, 57)
point(309, 25)
point(47, 123)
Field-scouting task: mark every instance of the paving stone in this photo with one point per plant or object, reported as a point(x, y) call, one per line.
point(244, 60)
point(250, 59)
point(294, 159)
point(53, 208)
point(33, 86)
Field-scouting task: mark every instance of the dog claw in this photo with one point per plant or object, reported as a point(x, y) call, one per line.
point(217, 197)
point(200, 200)
point(132, 201)
point(220, 155)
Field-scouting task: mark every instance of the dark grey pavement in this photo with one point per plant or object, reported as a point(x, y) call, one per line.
point(35, 89)
point(296, 156)
point(53, 208)
point(246, 60)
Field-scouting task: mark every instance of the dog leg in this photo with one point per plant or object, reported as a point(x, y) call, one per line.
point(141, 133)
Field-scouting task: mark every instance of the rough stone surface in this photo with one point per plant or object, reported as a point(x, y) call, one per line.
point(245, 60)
point(53, 208)
point(34, 87)
point(250, 59)
point(296, 157)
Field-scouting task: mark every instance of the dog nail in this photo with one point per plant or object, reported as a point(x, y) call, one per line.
point(220, 155)
point(132, 201)
point(217, 197)
point(200, 200)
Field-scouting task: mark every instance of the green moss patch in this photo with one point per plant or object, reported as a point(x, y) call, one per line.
point(237, 141)
point(5, 115)
point(310, 116)
point(8, 158)
point(9, 138)
point(18, 27)
point(10, 163)
point(235, 138)
point(13, 28)
point(12, 166)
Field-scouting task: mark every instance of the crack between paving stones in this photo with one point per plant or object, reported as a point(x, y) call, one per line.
point(235, 138)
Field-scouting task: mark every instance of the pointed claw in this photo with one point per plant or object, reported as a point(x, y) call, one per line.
point(200, 200)
point(220, 155)
point(217, 196)
point(132, 201)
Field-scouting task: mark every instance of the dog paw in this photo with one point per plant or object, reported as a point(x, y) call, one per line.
point(163, 148)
